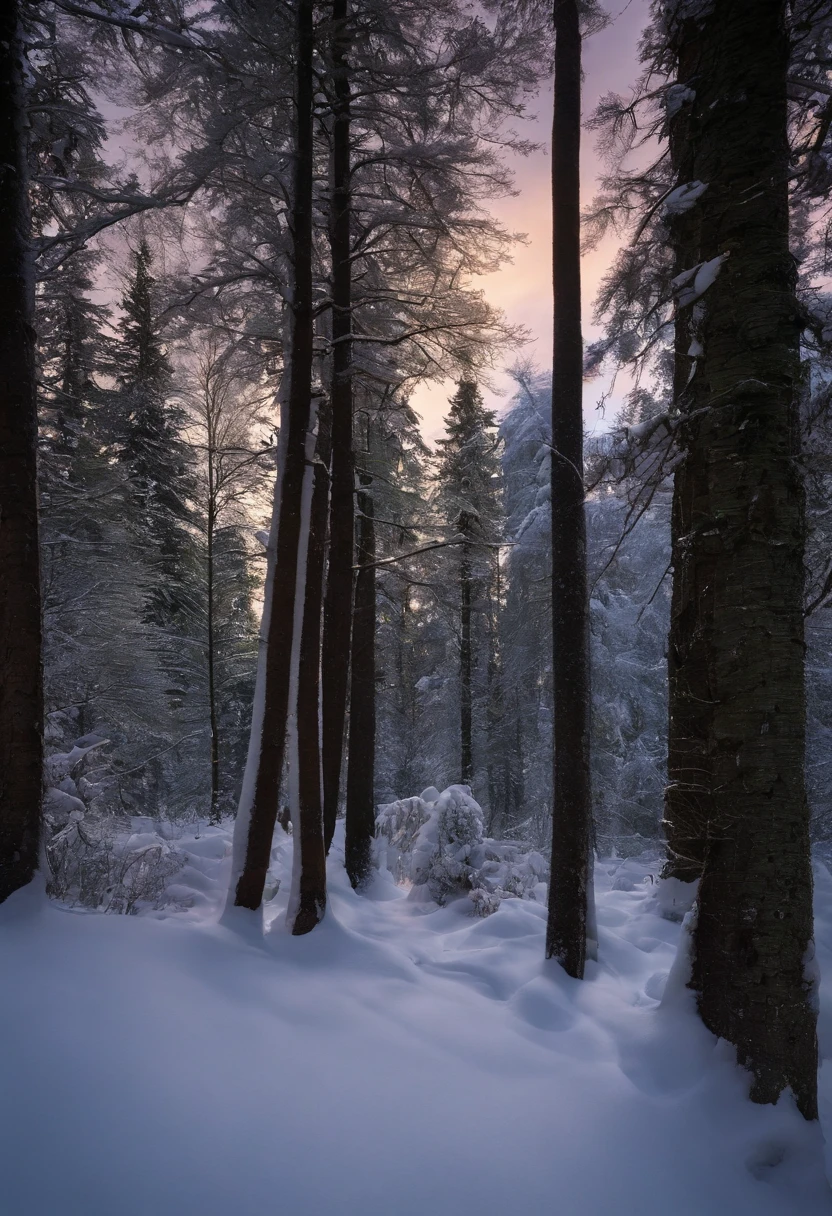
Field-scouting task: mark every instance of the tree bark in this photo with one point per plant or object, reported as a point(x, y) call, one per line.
point(690, 697)
point(258, 826)
point(339, 583)
point(308, 823)
point(361, 819)
point(214, 815)
point(568, 889)
point(21, 682)
point(754, 929)
point(466, 746)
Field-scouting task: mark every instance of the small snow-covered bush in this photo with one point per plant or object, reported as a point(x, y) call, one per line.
point(96, 861)
point(443, 849)
point(436, 843)
point(106, 866)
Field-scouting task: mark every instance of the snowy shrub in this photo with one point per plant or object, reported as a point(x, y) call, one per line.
point(484, 902)
point(436, 843)
point(399, 823)
point(442, 856)
point(95, 865)
point(96, 861)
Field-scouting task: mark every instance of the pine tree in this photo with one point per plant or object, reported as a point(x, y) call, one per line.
point(231, 468)
point(148, 433)
point(469, 495)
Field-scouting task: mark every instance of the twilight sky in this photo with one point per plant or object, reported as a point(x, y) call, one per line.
point(523, 288)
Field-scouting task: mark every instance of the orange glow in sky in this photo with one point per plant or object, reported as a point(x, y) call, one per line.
point(523, 288)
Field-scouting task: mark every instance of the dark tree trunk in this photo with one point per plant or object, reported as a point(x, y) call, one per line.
point(518, 784)
point(466, 747)
point(361, 756)
point(260, 827)
point(568, 889)
point(214, 815)
point(21, 683)
point(754, 928)
point(339, 583)
point(690, 697)
point(309, 834)
point(499, 763)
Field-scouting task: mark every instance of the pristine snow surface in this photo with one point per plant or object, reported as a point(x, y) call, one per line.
point(396, 1062)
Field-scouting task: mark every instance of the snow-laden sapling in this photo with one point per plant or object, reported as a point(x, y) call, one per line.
point(436, 843)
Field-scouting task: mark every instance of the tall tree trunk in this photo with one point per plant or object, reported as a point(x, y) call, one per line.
point(258, 802)
point(306, 792)
point(21, 682)
point(214, 815)
point(690, 697)
point(754, 929)
point(498, 749)
point(361, 756)
point(568, 889)
point(339, 583)
point(466, 745)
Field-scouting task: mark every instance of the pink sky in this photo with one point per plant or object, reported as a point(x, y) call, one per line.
point(523, 288)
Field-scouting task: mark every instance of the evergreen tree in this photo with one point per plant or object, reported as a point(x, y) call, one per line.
point(469, 497)
point(230, 471)
point(149, 437)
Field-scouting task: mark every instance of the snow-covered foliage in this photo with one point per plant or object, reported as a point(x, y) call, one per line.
point(102, 862)
point(436, 843)
point(629, 612)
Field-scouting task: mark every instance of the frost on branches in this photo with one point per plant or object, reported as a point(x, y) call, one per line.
point(435, 842)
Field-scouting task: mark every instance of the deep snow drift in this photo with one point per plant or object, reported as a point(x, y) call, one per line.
point(396, 1062)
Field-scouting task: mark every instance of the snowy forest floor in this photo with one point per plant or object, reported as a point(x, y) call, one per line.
point(396, 1062)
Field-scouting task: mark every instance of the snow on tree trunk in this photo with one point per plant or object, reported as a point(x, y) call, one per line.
point(21, 684)
point(258, 803)
point(566, 930)
point(308, 900)
point(243, 823)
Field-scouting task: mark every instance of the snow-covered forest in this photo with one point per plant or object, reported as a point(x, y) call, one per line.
point(395, 824)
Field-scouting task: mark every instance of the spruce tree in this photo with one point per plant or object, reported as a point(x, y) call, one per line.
point(469, 496)
point(148, 433)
